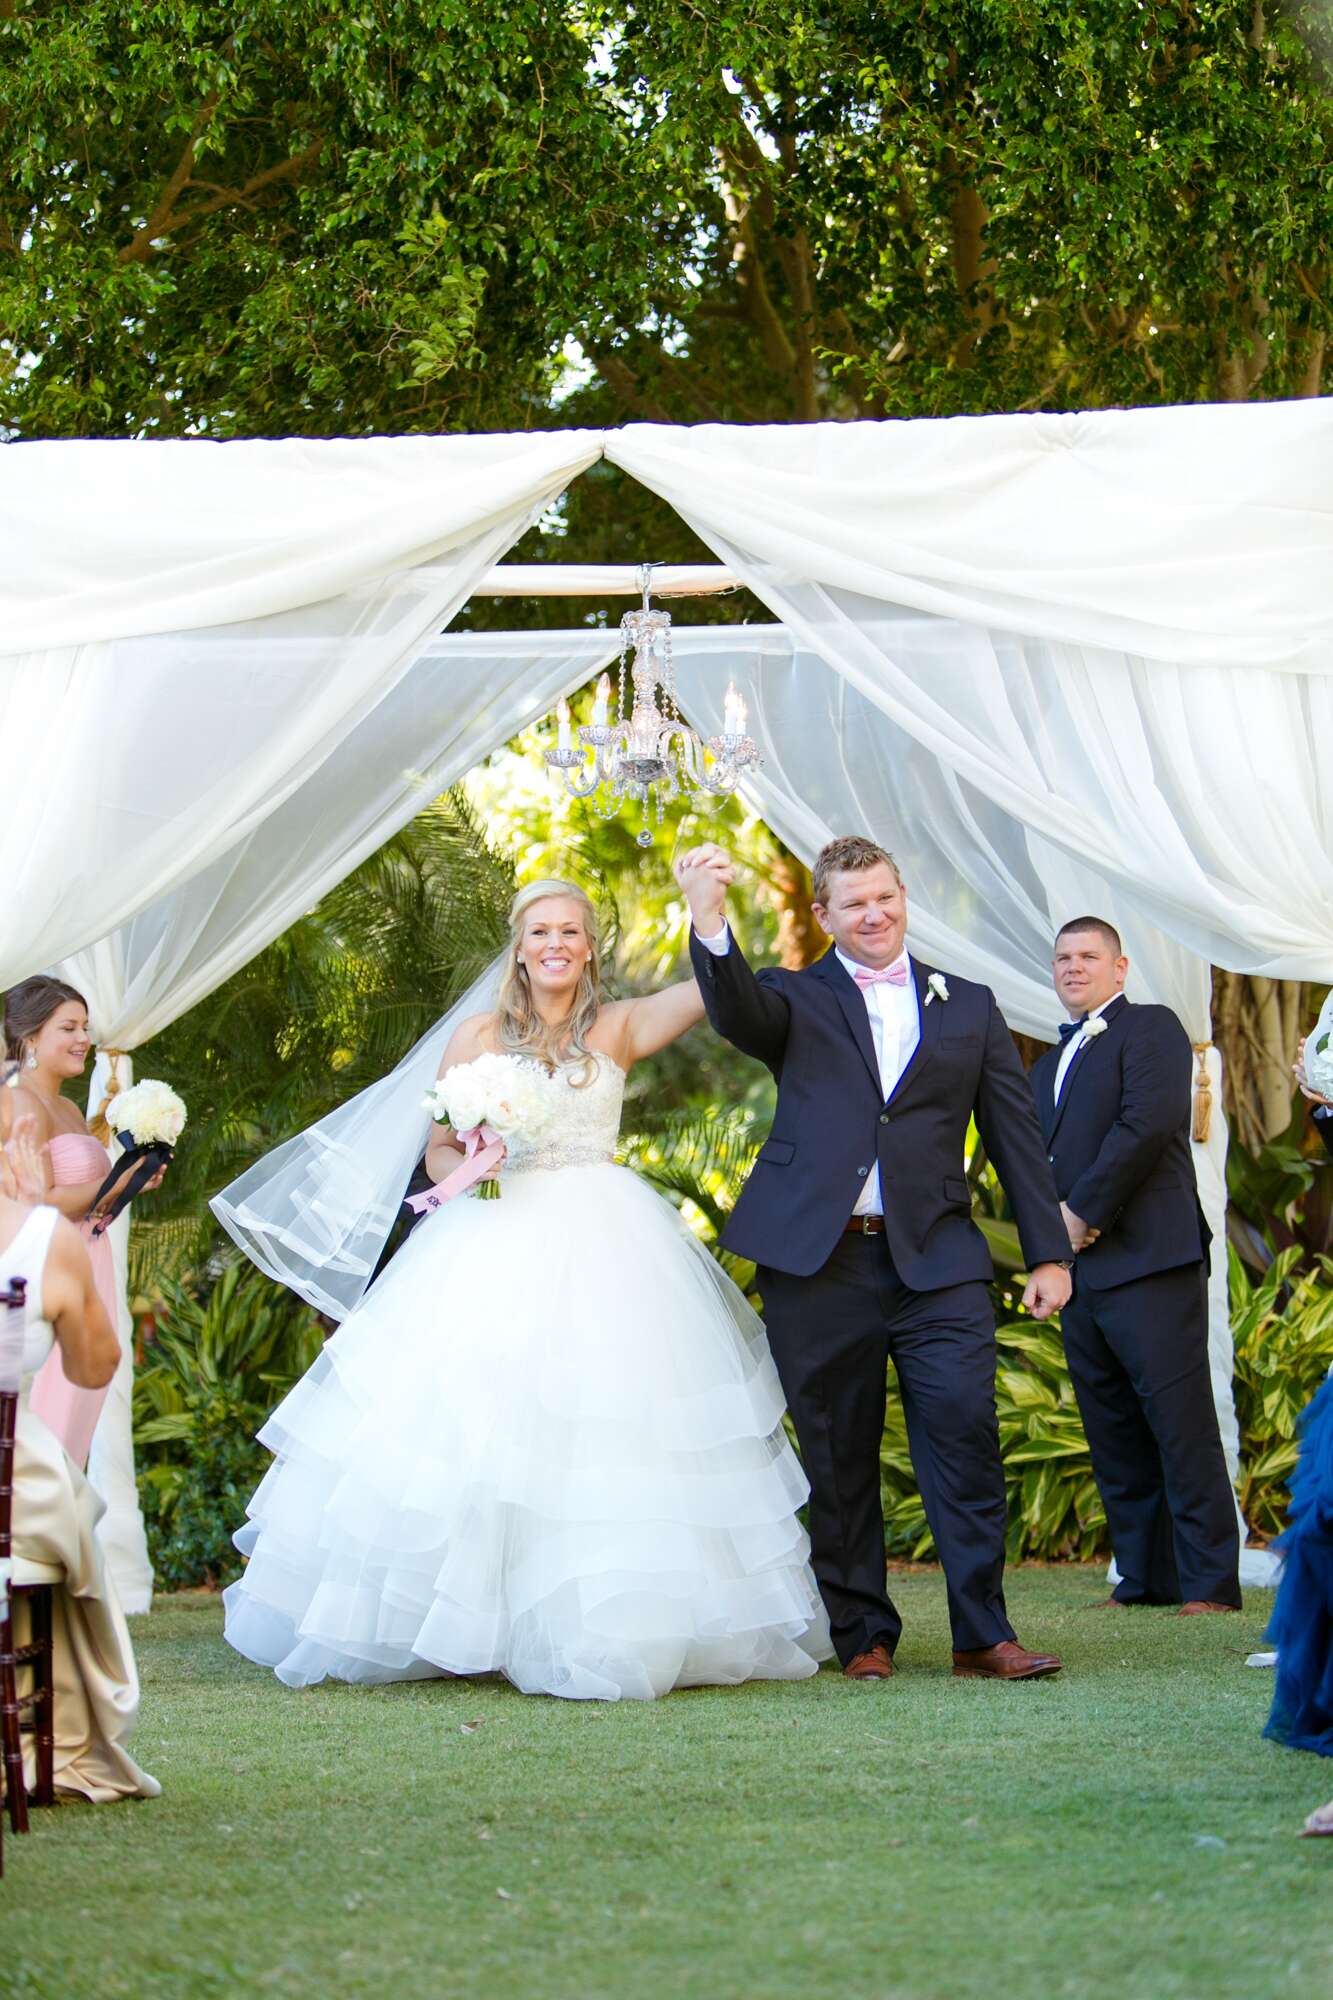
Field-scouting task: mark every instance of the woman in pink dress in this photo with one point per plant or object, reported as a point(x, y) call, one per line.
point(46, 1029)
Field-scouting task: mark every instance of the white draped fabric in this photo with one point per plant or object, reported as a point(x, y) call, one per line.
point(1058, 660)
point(207, 636)
point(147, 759)
point(441, 717)
point(109, 540)
point(1148, 688)
point(449, 709)
point(984, 898)
point(1196, 534)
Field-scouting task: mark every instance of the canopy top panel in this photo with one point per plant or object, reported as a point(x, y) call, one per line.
point(1198, 533)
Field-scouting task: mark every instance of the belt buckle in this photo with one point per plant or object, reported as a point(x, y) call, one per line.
point(866, 1221)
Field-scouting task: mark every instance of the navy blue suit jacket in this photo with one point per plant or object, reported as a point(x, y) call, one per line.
point(832, 1125)
point(1119, 1142)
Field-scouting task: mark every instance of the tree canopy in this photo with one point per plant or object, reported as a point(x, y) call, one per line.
point(294, 218)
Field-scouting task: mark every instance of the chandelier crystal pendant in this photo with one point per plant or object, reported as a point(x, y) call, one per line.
point(652, 756)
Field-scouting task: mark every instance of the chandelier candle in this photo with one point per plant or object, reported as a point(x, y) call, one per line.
point(652, 755)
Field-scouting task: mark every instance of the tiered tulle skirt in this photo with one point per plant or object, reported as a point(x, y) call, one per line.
point(548, 1444)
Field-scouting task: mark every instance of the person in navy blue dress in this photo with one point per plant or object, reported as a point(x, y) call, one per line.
point(1302, 1626)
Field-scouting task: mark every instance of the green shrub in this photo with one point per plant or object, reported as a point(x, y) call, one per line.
point(215, 1365)
point(191, 1511)
point(1282, 1326)
point(1055, 1511)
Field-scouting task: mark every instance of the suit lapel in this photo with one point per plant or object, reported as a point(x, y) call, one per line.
point(852, 1001)
point(929, 1024)
point(1111, 1014)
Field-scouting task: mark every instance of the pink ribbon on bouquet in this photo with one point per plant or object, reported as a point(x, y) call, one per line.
point(483, 1149)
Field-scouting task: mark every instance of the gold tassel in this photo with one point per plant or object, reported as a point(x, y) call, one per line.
point(1202, 1123)
point(100, 1127)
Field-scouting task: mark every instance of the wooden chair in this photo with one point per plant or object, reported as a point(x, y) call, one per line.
point(33, 1582)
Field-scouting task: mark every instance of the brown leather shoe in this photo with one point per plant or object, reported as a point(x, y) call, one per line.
point(876, 1665)
point(1200, 1607)
point(1006, 1662)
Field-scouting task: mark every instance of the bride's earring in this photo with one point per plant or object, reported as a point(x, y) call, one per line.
point(30, 1060)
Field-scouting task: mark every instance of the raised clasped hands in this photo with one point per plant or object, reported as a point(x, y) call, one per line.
point(1048, 1288)
point(704, 875)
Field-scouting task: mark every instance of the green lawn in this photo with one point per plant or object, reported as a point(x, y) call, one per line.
point(1119, 1833)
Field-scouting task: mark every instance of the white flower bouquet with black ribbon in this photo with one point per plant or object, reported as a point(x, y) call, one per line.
point(489, 1101)
point(148, 1120)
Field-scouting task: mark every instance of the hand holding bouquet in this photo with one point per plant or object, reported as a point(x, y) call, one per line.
point(487, 1101)
point(149, 1120)
point(1314, 1069)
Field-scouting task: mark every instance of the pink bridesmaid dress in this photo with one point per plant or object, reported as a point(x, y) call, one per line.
point(69, 1412)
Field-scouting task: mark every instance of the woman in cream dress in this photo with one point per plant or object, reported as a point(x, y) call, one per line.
point(55, 1511)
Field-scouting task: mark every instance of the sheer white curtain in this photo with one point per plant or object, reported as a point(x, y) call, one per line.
point(1130, 648)
point(137, 764)
point(456, 703)
point(1120, 682)
point(112, 539)
point(1198, 534)
point(986, 895)
point(204, 632)
point(1150, 687)
point(462, 696)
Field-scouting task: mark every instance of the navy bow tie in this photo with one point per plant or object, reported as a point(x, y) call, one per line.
point(1068, 1028)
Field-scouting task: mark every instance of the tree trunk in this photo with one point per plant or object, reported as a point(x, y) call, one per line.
point(1030, 1047)
point(800, 940)
point(1256, 1025)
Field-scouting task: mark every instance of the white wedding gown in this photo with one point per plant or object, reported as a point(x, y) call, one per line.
point(547, 1444)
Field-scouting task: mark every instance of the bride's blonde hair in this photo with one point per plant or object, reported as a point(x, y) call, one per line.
point(519, 1028)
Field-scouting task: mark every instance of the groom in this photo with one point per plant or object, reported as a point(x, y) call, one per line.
point(858, 1216)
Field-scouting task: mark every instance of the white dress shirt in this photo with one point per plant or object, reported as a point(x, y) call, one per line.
point(1074, 1044)
point(895, 1029)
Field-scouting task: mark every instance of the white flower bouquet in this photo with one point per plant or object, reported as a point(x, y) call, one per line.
point(149, 1118)
point(488, 1102)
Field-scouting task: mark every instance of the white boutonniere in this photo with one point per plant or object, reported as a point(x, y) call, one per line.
point(938, 988)
point(1096, 1026)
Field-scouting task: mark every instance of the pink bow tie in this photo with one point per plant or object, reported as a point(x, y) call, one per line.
point(896, 975)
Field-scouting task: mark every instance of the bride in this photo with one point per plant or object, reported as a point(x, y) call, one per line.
point(547, 1442)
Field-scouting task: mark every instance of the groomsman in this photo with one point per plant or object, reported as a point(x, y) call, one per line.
point(1114, 1103)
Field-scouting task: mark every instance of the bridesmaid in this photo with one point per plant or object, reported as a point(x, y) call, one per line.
point(46, 1029)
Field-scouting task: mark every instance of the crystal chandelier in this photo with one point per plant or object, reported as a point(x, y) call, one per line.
point(653, 756)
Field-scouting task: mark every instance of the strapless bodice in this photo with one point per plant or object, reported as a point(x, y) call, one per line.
point(77, 1156)
point(585, 1132)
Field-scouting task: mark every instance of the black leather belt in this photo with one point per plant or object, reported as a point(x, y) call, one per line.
point(865, 1225)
